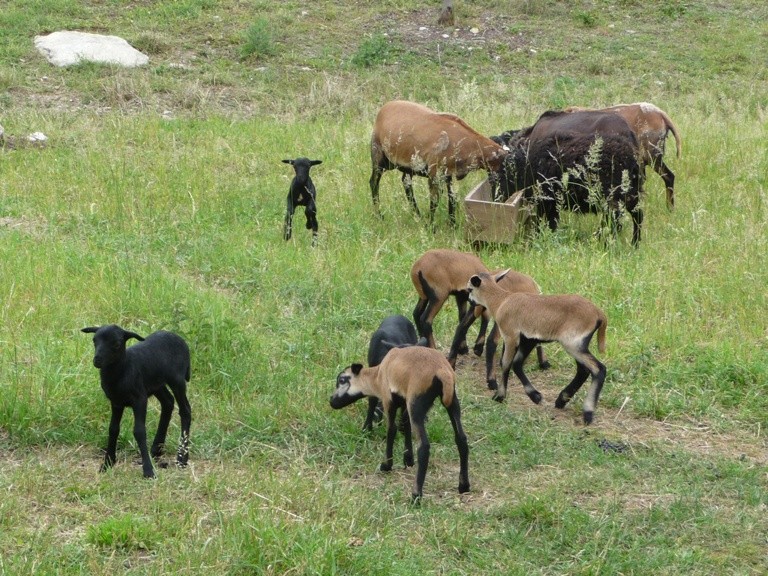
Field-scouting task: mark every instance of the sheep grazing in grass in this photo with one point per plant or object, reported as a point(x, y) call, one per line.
point(526, 320)
point(511, 282)
point(651, 126)
point(580, 161)
point(302, 193)
point(439, 146)
point(394, 331)
point(436, 275)
point(409, 378)
point(130, 375)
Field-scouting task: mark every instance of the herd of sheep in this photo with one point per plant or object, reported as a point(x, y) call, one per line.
point(558, 163)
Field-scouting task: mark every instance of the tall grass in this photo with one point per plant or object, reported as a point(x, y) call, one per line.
point(175, 223)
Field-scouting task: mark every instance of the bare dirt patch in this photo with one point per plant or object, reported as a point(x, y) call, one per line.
point(619, 426)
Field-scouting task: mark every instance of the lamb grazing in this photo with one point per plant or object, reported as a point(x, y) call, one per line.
point(439, 146)
point(581, 161)
point(526, 320)
point(394, 331)
point(408, 378)
point(302, 193)
point(130, 376)
point(651, 126)
point(511, 282)
point(437, 274)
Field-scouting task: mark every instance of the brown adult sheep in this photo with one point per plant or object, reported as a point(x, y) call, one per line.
point(436, 145)
point(651, 126)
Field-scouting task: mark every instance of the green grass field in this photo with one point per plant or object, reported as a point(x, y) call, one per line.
point(158, 201)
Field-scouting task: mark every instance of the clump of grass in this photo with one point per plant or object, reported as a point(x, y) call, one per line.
point(123, 533)
point(259, 40)
point(376, 50)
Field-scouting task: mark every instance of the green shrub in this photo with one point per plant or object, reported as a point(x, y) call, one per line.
point(258, 40)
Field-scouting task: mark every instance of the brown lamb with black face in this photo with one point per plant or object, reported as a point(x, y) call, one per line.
point(408, 378)
point(526, 320)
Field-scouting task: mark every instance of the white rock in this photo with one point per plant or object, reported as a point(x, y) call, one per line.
point(65, 48)
point(37, 137)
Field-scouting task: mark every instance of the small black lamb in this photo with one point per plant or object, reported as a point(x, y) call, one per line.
point(394, 331)
point(130, 376)
point(302, 193)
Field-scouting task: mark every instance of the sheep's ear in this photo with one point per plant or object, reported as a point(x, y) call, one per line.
point(475, 280)
point(315, 162)
point(501, 275)
point(288, 162)
point(90, 329)
point(356, 368)
point(128, 335)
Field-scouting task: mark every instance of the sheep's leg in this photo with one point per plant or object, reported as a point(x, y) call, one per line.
point(405, 426)
point(582, 372)
point(140, 435)
point(525, 347)
point(418, 311)
point(376, 173)
point(462, 299)
point(185, 415)
point(311, 213)
point(451, 200)
point(491, 345)
point(417, 411)
point(408, 186)
point(667, 175)
point(166, 411)
point(590, 403)
point(427, 317)
point(288, 225)
point(391, 411)
point(460, 336)
point(542, 357)
point(434, 198)
point(454, 413)
point(506, 365)
point(370, 416)
point(114, 430)
point(480, 340)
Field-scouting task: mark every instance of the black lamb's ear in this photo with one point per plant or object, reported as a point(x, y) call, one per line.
point(475, 280)
point(128, 335)
point(315, 162)
point(356, 368)
point(90, 329)
point(288, 161)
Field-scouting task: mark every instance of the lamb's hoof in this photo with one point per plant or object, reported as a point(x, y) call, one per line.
point(463, 348)
point(588, 416)
point(408, 459)
point(499, 397)
point(463, 488)
point(545, 365)
point(492, 385)
point(536, 397)
point(478, 349)
point(416, 499)
point(560, 403)
point(385, 467)
point(149, 475)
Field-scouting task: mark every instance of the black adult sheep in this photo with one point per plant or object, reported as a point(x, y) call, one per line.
point(581, 161)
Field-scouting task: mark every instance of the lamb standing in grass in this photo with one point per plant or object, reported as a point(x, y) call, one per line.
point(302, 193)
point(526, 320)
point(129, 376)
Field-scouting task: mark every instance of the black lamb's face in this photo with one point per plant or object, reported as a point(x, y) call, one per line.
point(109, 344)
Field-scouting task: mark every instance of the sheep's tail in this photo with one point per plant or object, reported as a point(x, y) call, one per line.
point(602, 325)
point(446, 382)
point(672, 128)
